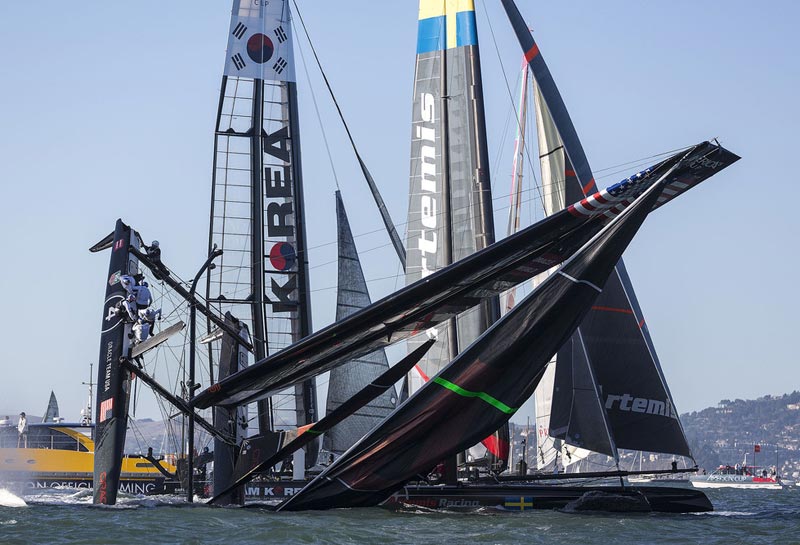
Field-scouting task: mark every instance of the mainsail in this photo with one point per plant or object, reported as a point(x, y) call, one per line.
point(483, 386)
point(449, 214)
point(257, 215)
point(450, 206)
point(345, 381)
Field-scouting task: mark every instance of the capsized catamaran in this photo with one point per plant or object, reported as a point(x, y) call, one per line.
point(484, 385)
point(449, 291)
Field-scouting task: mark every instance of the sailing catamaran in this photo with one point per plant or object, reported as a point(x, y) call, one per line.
point(473, 379)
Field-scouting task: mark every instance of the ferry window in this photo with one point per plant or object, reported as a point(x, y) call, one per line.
point(144, 464)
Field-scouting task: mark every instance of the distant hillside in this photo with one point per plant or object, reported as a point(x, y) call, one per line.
point(723, 434)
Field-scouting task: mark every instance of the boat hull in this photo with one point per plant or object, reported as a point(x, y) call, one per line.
point(704, 482)
point(525, 497)
point(36, 483)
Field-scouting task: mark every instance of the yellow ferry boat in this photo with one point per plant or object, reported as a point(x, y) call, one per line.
point(61, 455)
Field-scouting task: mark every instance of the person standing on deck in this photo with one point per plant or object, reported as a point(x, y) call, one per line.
point(22, 428)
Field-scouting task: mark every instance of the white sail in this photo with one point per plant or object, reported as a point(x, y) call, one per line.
point(550, 452)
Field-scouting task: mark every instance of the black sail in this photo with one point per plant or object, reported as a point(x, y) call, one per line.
point(345, 381)
point(113, 381)
point(613, 341)
point(482, 387)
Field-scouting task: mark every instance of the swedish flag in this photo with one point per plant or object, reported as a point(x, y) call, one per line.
point(446, 24)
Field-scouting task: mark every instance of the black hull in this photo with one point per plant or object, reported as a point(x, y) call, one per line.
point(525, 497)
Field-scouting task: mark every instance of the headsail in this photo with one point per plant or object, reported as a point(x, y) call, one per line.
point(347, 380)
point(482, 387)
point(257, 214)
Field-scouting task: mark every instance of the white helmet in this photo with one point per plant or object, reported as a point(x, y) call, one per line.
point(154, 244)
point(126, 281)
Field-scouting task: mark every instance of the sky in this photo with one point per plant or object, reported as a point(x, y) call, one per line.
point(108, 111)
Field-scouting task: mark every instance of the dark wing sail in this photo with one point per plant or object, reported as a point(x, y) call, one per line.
point(482, 387)
point(352, 295)
point(113, 381)
point(443, 294)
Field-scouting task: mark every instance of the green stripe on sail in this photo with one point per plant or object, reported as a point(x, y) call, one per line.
point(496, 403)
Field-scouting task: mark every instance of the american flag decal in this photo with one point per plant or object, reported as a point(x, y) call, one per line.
point(238, 61)
point(281, 35)
point(106, 409)
point(280, 65)
point(239, 31)
point(613, 200)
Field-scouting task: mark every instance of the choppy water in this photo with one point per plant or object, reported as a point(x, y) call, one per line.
point(763, 517)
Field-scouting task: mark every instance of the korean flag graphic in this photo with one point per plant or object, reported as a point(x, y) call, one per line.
point(260, 41)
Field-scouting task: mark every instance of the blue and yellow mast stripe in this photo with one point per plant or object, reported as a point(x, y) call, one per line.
point(446, 24)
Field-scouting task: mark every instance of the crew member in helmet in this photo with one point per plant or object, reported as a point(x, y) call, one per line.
point(154, 253)
point(127, 307)
point(143, 296)
point(146, 323)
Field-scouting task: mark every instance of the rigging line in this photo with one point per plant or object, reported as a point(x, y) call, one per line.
point(316, 108)
point(384, 212)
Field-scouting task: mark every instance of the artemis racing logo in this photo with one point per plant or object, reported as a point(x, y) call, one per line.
point(628, 403)
point(426, 132)
point(704, 162)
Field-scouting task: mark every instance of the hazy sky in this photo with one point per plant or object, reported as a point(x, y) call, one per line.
point(108, 111)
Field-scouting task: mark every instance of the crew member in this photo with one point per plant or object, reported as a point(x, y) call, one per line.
point(143, 296)
point(154, 254)
point(146, 323)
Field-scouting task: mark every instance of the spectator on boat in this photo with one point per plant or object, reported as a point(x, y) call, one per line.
point(22, 428)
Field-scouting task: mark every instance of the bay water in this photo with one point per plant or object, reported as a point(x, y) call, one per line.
point(764, 517)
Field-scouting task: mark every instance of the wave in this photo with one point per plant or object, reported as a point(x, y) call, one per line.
point(9, 499)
